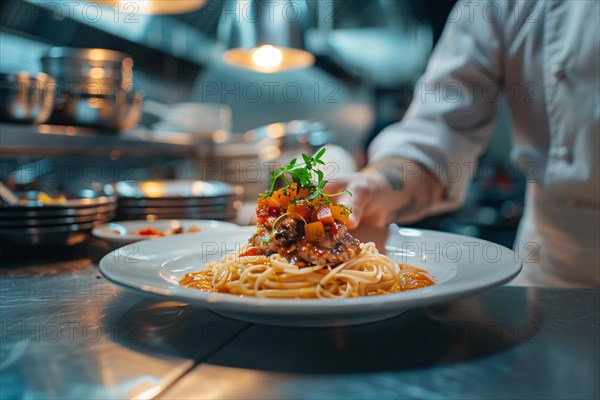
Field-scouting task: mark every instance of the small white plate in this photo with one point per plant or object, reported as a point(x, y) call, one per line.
point(125, 232)
point(461, 265)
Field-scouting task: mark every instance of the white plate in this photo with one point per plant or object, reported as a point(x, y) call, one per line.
point(125, 232)
point(461, 265)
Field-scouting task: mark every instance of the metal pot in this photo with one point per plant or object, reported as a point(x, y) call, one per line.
point(25, 98)
point(95, 88)
point(291, 138)
point(105, 112)
point(89, 70)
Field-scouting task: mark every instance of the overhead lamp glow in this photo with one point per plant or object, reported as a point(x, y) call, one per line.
point(153, 6)
point(270, 37)
point(143, 5)
point(266, 57)
point(269, 59)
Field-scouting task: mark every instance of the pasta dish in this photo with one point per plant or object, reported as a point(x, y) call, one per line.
point(302, 248)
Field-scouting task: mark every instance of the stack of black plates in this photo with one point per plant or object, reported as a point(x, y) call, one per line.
point(177, 199)
point(66, 222)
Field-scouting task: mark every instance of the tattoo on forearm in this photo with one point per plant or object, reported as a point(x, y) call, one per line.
point(393, 173)
point(422, 193)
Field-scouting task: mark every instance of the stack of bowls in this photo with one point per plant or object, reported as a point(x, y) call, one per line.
point(177, 199)
point(57, 223)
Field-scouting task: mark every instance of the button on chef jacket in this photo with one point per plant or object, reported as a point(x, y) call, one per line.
point(544, 58)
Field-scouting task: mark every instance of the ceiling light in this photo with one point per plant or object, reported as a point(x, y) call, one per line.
point(266, 57)
point(264, 35)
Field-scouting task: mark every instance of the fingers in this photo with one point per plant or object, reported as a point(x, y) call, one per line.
point(362, 188)
point(335, 187)
point(354, 219)
point(358, 202)
point(340, 183)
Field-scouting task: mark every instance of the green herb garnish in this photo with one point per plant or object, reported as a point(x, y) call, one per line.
point(306, 175)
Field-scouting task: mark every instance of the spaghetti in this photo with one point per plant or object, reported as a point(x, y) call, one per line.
point(369, 273)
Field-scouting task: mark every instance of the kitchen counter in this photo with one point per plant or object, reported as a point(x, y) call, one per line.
point(66, 332)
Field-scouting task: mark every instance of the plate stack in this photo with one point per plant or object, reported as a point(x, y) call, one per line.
point(57, 222)
point(177, 199)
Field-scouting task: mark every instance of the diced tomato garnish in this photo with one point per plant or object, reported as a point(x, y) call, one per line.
point(324, 215)
point(284, 195)
point(262, 202)
point(334, 230)
point(303, 193)
point(273, 202)
point(340, 213)
point(314, 231)
point(150, 231)
point(299, 211)
point(261, 220)
point(274, 211)
point(252, 251)
point(262, 209)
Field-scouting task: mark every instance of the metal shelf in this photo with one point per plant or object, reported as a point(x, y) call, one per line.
point(45, 140)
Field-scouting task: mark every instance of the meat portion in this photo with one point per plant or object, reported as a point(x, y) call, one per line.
point(288, 239)
point(271, 241)
point(337, 247)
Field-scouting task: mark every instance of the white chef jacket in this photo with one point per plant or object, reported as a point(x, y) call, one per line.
point(544, 58)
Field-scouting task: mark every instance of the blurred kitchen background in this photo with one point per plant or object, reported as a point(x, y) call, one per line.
point(181, 99)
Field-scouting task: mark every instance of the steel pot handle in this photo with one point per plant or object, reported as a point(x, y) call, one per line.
point(134, 113)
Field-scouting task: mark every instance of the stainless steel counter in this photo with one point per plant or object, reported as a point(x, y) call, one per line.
point(65, 332)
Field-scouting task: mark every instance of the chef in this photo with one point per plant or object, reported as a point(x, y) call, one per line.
point(544, 58)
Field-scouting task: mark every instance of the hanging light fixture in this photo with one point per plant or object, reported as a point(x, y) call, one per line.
point(154, 6)
point(265, 35)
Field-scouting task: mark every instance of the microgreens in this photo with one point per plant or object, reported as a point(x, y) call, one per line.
point(306, 175)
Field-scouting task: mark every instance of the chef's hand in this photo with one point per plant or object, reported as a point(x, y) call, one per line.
point(391, 190)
